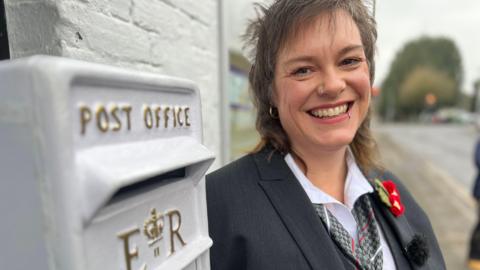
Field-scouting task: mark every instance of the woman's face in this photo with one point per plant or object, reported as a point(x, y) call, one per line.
point(322, 85)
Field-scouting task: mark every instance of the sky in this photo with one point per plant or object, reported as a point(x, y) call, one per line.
point(400, 21)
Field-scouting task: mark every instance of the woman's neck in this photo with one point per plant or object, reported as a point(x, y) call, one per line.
point(326, 170)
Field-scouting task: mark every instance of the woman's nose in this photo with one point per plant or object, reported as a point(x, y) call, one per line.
point(332, 84)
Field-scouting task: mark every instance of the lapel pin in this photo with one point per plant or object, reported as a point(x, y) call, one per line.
point(388, 193)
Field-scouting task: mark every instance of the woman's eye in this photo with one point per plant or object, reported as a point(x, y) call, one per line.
point(303, 71)
point(350, 61)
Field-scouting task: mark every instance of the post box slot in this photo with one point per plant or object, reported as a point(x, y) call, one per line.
point(147, 184)
point(112, 172)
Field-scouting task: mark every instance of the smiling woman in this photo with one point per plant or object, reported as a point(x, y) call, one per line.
point(312, 195)
point(315, 81)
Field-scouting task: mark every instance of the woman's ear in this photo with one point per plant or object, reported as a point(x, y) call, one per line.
point(273, 95)
point(375, 91)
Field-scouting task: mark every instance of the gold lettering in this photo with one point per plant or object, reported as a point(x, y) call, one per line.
point(127, 110)
point(187, 122)
point(157, 116)
point(111, 117)
point(165, 115)
point(129, 254)
point(147, 117)
point(85, 117)
point(179, 119)
point(175, 231)
point(175, 116)
point(102, 119)
point(118, 123)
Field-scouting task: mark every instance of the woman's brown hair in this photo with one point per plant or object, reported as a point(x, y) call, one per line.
point(266, 36)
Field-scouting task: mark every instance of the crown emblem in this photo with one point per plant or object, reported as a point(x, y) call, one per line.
point(153, 227)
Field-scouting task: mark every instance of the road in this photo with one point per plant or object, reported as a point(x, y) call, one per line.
point(435, 163)
point(449, 147)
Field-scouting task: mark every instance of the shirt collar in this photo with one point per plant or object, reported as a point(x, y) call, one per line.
point(356, 184)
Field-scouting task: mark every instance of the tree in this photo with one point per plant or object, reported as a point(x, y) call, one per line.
point(425, 82)
point(440, 54)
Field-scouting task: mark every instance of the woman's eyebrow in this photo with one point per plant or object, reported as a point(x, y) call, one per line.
point(309, 58)
point(350, 48)
point(301, 58)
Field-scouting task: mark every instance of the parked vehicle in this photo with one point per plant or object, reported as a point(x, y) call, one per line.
point(453, 115)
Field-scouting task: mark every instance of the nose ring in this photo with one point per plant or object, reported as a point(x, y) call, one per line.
point(321, 90)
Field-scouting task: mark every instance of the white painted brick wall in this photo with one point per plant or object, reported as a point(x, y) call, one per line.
point(173, 37)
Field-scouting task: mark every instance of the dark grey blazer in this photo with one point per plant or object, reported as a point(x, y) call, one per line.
point(260, 218)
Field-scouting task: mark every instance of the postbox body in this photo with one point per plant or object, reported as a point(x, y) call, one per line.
point(102, 168)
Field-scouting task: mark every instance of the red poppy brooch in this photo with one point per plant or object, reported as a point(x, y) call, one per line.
point(388, 193)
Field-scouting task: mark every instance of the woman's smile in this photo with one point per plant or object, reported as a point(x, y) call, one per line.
point(331, 114)
point(329, 111)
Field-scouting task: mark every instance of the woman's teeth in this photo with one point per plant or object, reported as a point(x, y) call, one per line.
point(330, 112)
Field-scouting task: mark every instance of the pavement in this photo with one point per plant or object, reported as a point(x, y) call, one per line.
point(447, 202)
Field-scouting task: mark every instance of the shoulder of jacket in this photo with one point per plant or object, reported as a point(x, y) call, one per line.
point(237, 167)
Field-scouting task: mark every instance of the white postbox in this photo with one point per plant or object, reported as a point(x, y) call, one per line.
point(101, 168)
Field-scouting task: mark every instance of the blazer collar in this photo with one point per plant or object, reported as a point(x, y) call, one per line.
point(271, 164)
point(297, 213)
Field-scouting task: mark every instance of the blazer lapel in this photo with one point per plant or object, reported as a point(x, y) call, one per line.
point(297, 213)
point(390, 234)
point(403, 233)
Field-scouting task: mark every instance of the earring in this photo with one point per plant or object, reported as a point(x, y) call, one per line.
point(272, 114)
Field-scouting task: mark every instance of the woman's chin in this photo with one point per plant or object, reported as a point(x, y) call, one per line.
point(338, 141)
point(331, 145)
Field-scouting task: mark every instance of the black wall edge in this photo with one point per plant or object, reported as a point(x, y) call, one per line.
point(4, 49)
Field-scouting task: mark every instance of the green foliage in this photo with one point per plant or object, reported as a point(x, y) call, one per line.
point(418, 84)
point(467, 102)
point(440, 54)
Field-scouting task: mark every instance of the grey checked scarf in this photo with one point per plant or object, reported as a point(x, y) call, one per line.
point(366, 253)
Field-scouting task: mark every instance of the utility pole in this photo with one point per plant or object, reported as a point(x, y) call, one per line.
point(4, 49)
point(476, 96)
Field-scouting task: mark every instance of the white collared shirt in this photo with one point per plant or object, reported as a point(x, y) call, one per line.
point(355, 186)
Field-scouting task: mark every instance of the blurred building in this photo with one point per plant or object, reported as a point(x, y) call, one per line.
point(242, 114)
